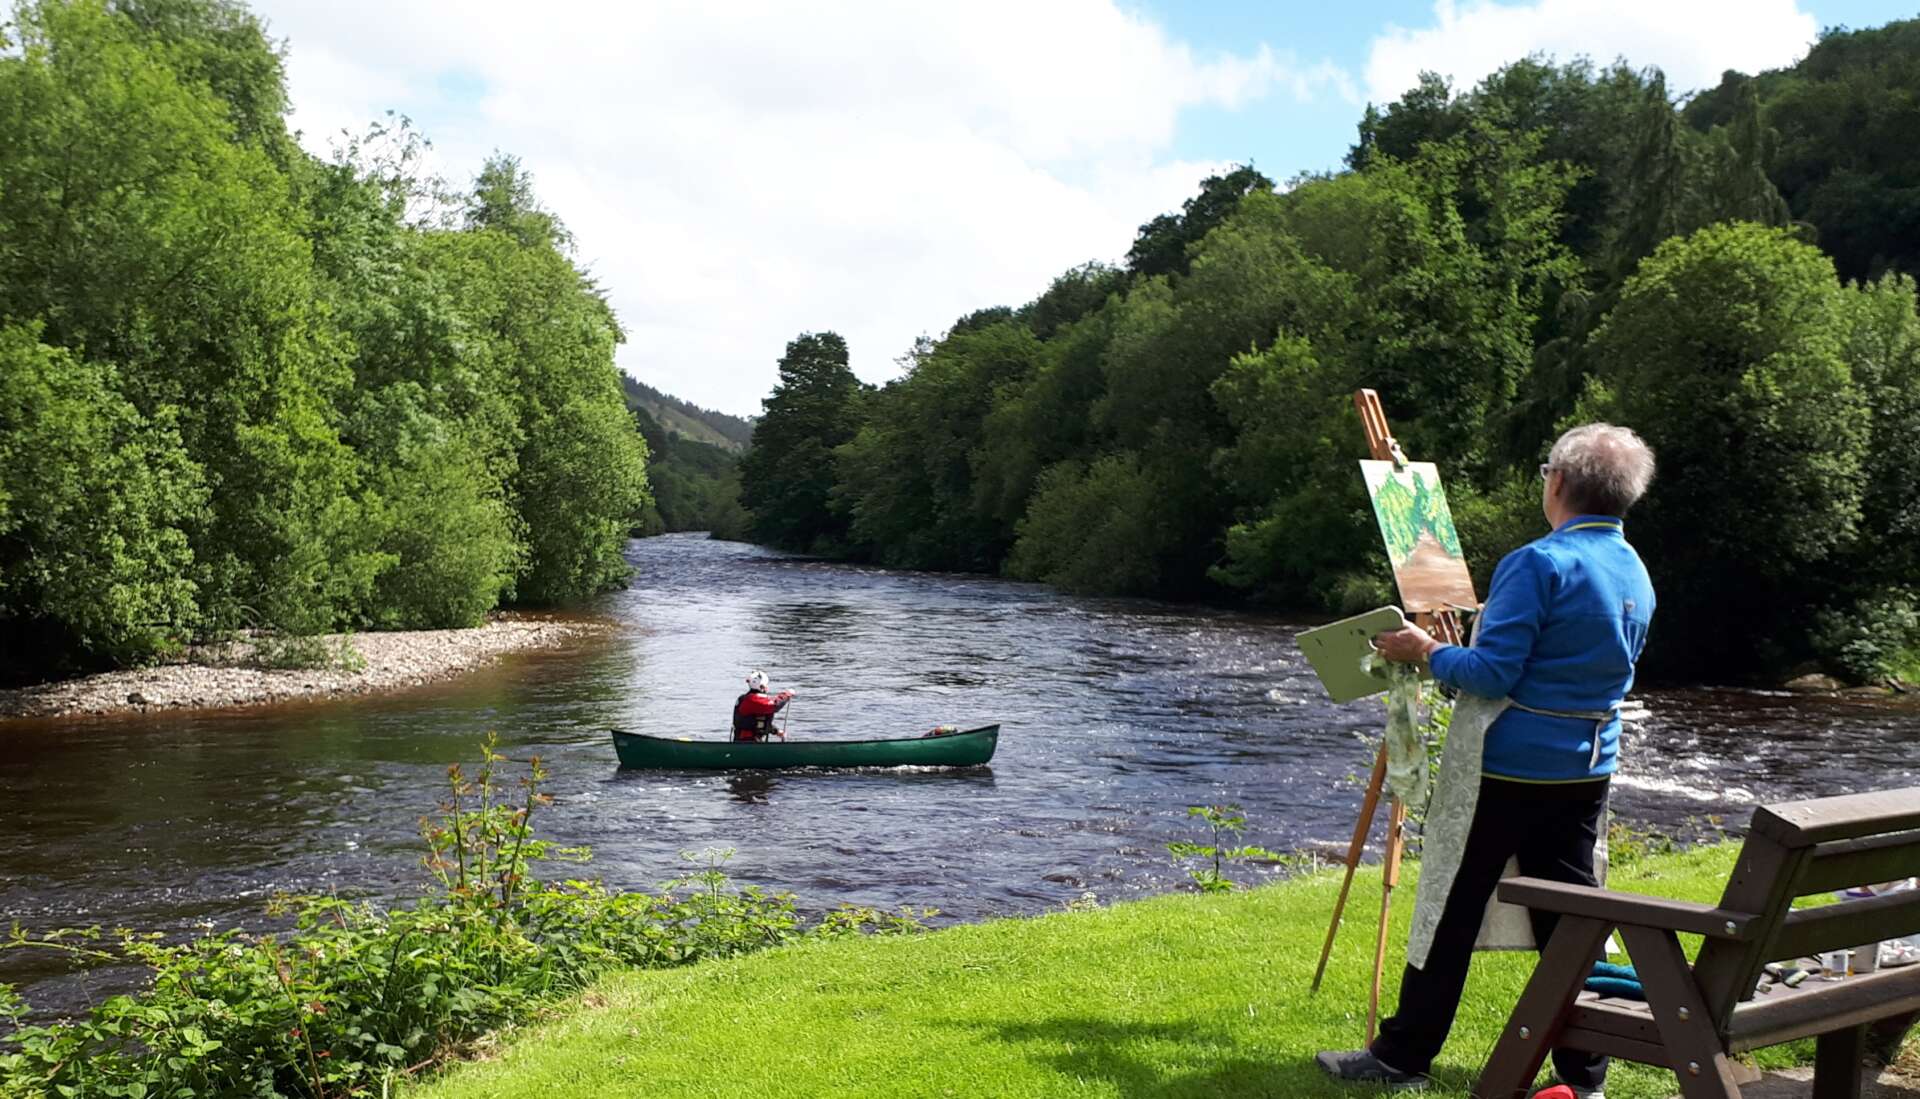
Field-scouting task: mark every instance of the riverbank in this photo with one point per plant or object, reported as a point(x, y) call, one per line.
point(1181, 995)
point(229, 675)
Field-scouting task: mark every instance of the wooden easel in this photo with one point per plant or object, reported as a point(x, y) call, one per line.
point(1446, 627)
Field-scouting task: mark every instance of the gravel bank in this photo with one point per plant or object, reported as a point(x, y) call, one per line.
point(219, 676)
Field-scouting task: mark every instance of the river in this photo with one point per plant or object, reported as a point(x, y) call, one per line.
point(1116, 715)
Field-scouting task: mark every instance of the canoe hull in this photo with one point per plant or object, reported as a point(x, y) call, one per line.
point(970, 748)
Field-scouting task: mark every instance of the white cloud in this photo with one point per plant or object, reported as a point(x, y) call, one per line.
point(1693, 41)
point(738, 173)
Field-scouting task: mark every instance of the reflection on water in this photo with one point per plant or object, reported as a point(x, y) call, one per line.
point(1115, 715)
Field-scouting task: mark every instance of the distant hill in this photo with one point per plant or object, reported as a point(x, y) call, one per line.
point(693, 464)
point(688, 420)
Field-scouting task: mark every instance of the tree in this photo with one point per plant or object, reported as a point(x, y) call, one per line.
point(1162, 244)
point(1883, 353)
point(787, 477)
point(1094, 528)
point(1727, 352)
point(906, 481)
point(140, 228)
point(503, 200)
point(95, 568)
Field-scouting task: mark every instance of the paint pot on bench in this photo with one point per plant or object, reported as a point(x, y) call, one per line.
point(1833, 964)
point(1866, 958)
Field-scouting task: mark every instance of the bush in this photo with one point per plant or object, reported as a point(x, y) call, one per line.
point(358, 996)
point(1875, 640)
point(93, 499)
point(1093, 529)
point(451, 535)
point(583, 483)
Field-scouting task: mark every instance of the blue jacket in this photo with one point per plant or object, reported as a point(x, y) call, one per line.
point(1565, 620)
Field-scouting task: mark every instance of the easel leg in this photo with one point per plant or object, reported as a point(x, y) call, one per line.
point(1355, 849)
point(1390, 877)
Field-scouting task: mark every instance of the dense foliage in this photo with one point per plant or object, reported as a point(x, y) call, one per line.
point(1560, 242)
point(357, 997)
point(244, 386)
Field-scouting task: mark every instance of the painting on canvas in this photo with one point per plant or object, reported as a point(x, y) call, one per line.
point(1418, 530)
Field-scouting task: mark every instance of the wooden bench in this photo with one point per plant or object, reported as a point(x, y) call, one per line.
point(1696, 1017)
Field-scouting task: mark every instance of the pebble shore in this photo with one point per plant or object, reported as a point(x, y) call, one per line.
point(218, 677)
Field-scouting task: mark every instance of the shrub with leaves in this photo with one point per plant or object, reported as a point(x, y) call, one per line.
point(1875, 640)
point(358, 996)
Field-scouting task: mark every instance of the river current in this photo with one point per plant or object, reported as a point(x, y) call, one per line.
point(1115, 716)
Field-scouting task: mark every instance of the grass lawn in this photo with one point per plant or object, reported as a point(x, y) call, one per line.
point(1176, 996)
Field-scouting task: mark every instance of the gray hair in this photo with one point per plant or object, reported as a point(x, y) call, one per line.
point(1603, 469)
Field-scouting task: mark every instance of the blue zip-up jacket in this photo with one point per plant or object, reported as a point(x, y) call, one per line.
point(1565, 620)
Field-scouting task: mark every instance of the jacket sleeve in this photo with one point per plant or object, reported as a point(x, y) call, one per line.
point(1510, 624)
point(780, 700)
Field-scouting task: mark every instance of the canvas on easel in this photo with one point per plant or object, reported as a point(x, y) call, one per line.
point(1417, 528)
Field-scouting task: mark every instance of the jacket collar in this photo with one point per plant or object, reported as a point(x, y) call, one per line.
point(1593, 522)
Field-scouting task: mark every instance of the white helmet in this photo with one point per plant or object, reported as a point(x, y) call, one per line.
point(756, 681)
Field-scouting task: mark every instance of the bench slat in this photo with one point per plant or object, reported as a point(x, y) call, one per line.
point(1848, 924)
point(1844, 863)
point(1626, 1018)
point(1614, 1045)
point(1789, 1013)
point(1625, 908)
point(1801, 823)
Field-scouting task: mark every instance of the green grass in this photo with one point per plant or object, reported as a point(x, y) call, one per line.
point(1177, 996)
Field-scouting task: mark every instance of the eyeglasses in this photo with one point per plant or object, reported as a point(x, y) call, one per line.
point(1545, 468)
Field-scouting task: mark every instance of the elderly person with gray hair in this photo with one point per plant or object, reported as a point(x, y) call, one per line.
point(1564, 623)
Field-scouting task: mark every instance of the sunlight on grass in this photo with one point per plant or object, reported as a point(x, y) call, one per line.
point(1176, 996)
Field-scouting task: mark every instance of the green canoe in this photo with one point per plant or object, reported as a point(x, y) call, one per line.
point(963, 749)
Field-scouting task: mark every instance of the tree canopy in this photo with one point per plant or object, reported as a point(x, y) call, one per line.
point(241, 386)
point(1559, 242)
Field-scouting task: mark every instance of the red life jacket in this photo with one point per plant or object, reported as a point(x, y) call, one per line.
point(753, 716)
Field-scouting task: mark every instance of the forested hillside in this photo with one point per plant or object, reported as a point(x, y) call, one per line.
point(684, 418)
point(242, 386)
point(1559, 243)
point(693, 464)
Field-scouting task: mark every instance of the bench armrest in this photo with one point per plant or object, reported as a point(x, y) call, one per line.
point(1626, 908)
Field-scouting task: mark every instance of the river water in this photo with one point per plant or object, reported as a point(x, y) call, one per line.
point(1115, 716)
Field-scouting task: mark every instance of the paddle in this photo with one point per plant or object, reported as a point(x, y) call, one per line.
point(787, 720)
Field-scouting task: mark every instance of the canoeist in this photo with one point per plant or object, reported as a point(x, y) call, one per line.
point(753, 712)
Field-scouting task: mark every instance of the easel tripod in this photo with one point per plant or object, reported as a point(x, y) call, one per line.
point(1443, 625)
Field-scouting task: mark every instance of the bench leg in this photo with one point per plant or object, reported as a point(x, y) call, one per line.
point(1836, 1063)
point(1542, 1010)
point(1699, 1061)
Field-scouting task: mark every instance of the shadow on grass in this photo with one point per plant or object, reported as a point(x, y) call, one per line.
point(1176, 1060)
point(1170, 1060)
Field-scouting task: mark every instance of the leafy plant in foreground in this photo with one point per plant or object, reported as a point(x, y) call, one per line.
point(357, 997)
point(1225, 822)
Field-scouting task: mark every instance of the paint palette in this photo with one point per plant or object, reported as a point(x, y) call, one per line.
point(1339, 650)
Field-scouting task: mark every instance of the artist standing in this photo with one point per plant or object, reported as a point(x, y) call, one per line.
point(1564, 623)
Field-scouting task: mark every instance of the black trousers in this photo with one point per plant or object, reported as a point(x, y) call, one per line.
point(1551, 828)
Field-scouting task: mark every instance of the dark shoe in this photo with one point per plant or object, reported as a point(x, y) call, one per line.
point(1360, 1066)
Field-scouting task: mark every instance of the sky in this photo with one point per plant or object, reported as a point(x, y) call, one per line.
point(738, 173)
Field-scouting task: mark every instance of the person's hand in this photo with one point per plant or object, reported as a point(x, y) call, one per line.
point(786, 694)
point(1409, 645)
